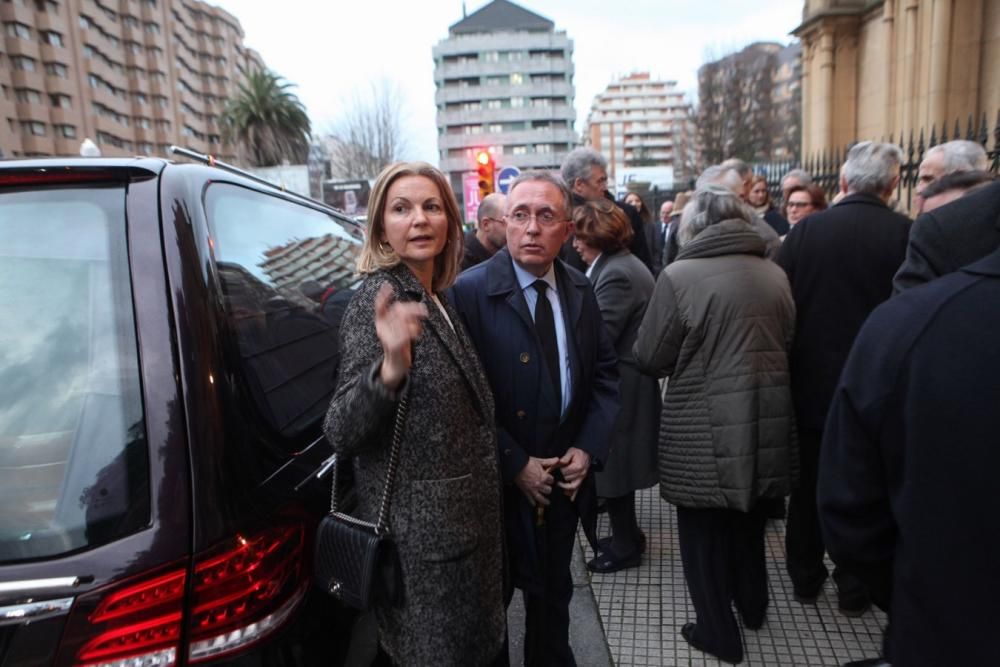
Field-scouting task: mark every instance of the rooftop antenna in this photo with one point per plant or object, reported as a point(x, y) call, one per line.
point(463, 10)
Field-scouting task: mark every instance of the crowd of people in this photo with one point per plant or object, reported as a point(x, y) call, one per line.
point(573, 349)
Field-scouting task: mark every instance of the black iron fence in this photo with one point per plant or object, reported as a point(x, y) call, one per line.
point(825, 166)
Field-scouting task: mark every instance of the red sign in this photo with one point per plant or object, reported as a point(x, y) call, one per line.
point(470, 191)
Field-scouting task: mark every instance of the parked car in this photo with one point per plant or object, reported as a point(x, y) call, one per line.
point(165, 363)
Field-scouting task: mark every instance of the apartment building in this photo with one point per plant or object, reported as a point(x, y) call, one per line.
point(504, 78)
point(134, 76)
point(642, 122)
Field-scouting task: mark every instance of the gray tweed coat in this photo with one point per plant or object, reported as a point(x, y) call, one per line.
point(445, 514)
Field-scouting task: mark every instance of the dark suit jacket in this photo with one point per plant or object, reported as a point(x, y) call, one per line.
point(908, 472)
point(840, 263)
point(492, 305)
point(474, 253)
point(950, 237)
point(654, 241)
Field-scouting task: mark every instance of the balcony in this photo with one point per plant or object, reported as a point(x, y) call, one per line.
point(502, 41)
point(527, 161)
point(511, 114)
point(483, 68)
point(475, 93)
point(540, 136)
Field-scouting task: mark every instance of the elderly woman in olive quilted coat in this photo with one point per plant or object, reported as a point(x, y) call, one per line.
point(720, 325)
point(445, 515)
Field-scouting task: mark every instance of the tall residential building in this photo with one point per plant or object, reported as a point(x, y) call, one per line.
point(504, 79)
point(749, 104)
point(641, 122)
point(132, 75)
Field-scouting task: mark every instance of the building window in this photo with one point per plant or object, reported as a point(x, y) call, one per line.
point(33, 127)
point(152, 28)
point(60, 101)
point(517, 102)
point(519, 150)
point(516, 79)
point(57, 69)
point(67, 131)
point(27, 96)
point(15, 29)
point(51, 37)
point(494, 128)
point(23, 63)
point(494, 104)
point(490, 56)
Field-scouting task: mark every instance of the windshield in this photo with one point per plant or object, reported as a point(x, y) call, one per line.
point(73, 458)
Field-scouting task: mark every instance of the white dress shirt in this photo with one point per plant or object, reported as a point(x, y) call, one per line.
point(526, 280)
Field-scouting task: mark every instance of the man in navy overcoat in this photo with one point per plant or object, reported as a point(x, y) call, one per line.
point(553, 372)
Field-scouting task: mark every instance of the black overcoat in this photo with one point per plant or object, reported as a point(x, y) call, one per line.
point(840, 263)
point(908, 493)
point(951, 237)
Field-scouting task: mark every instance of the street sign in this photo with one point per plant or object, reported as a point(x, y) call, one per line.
point(506, 177)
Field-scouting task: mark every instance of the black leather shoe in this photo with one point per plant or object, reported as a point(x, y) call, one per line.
point(853, 606)
point(806, 597)
point(608, 561)
point(688, 632)
point(605, 543)
point(868, 662)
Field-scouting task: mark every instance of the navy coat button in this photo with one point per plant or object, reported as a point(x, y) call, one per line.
point(525, 357)
point(506, 452)
point(521, 414)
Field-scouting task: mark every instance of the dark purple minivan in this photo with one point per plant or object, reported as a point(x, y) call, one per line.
point(168, 348)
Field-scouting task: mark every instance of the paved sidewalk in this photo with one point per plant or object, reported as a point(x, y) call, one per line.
point(643, 608)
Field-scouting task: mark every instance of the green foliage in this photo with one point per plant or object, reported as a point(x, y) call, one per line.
point(266, 122)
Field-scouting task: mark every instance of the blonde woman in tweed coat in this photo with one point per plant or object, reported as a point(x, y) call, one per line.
point(445, 513)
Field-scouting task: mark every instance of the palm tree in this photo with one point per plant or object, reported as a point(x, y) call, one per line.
point(267, 123)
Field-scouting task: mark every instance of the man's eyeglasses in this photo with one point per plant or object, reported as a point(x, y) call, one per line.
point(544, 218)
point(798, 204)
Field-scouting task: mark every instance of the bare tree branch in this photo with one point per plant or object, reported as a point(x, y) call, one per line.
point(368, 136)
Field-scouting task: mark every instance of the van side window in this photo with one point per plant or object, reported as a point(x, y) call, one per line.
point(286, 272)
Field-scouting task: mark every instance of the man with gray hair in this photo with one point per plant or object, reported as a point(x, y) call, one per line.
point(585, 172)
point(491, 231)
point(729, 177)
point(840, 263)
point(948, 158)
point(794, 178)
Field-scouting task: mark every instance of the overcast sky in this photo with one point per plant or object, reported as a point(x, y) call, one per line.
point(332, 50)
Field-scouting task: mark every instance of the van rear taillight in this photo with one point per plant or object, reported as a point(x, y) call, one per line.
point(244, 592)
point(138, 623)
point(54, 176)
point(236, 595)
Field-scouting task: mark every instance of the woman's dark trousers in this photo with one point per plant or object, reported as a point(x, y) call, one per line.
point(723, 555)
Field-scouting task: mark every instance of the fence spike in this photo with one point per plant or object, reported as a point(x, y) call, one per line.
point(933, 139)
point(957, 134)
point(920, 145)
point(970, 132)
point(984, 134)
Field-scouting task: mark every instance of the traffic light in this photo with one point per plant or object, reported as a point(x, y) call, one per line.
point(485, 167)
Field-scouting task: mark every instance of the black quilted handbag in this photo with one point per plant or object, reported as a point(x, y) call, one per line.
point(355, 560)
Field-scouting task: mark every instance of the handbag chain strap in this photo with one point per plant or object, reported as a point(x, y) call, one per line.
point(390, 473)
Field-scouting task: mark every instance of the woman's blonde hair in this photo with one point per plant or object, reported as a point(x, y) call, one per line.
point(377, 254)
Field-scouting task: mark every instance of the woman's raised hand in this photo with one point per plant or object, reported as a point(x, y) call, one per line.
point(397, 325)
